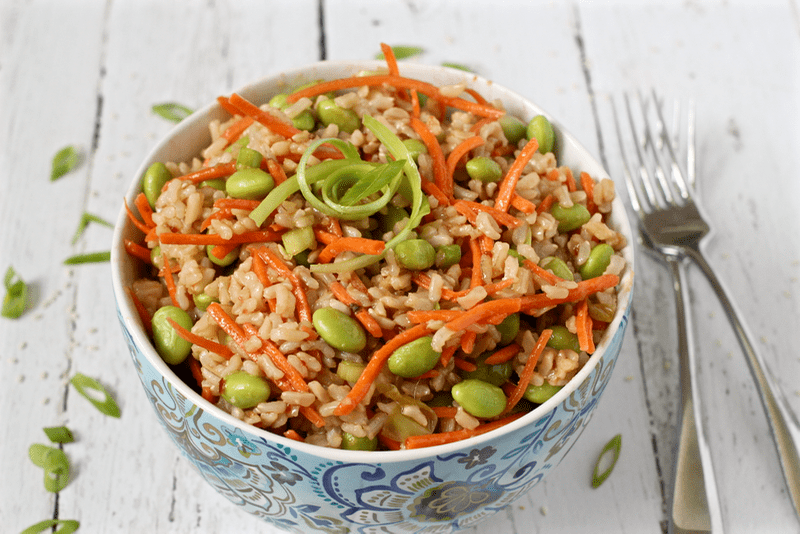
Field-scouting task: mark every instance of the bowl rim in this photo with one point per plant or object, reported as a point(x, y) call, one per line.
point(271, 84)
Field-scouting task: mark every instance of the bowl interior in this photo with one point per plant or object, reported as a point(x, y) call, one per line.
point(189, 137)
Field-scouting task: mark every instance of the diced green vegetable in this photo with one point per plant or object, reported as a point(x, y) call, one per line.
point(89, 388)
point(63, 526)
point(87, 218)
point(64, 161)
point(91, 257)
point(16, 298)
point(403, 52)
point(172, 111)
point(612, 447)
point(59, 434)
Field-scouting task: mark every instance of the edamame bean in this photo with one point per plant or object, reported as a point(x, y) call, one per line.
point(570, 218)
point(172, 347)
point(155, 257)
point(249, 183)
point(447, 256)
point(496, 374)
point(513, 128)
point(156, 176)
point(479, 398)
point(562, 339)
point(508, 328)
point(339, 330)
point(202, 300)
point(244, 390)
point(352, 443)
point(415, 254)
point(224, 261)
point(216, 183)
point(329, 113)
point(558, 267)
point(484, 169)
point(349, 371)
point(279, 101)
point(415, 147)
point(248, 157)
point(394, 215)
point(414, 358)
point(540, 394)
point(304, 121)
point(541, 129)
point(597, 262)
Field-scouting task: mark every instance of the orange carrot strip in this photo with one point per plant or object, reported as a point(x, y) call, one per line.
point(227, 106)
point(145, 211)
point(415, 111)
point(169, 280)
point(252, 236)
point(441, 438)
point(527, 371)
point(136, 222)
point(477, 278)
point(545, 204)
point(205, 391)
point(461, 150)
point(447, 412)
point(447, 355)
point(503, 355)
point(583, 322)
point(496, 287)
point(480, 312)
point(341, 293)
point(433, 373)
point(463, 364)
point(224, 213)
point(236, 129)
point(571, 186)
point(588, 187)
point(476, 128)
point(554, 175)
point(267, 119)
point(142, 311)
point(151, 235)
point(389, 443)
point(440, 175)
point(260, 268)
point(423, 316)
point(277, 172)
point(523, 204)
point(325, 237)
point(236, 204)
point(354, 244)
point(227, 323)
point(468, 345)
point(369, 322)
point(374, 367)
point(220, 251)
point(200, 341)
point(276, 262)
point(292, 375)
point(391, 60)
point(500, 216)
point(431, 188)
point(222, 170)
point(292, 434)
point(541, 272)
point(138, 251)
point(399, 82)
point(476, 95)
point(583, 290)
point(509, 184)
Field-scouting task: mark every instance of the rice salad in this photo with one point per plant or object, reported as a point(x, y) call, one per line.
point(375, 263)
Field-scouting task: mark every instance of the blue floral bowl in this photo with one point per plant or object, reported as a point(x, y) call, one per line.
point(303, 488)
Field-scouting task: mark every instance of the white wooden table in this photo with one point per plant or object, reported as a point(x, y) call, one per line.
point(87, 73)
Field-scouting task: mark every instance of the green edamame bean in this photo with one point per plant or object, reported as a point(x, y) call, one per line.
point(155, 257)
point(562, 339)
point(479, 398)
point(513, 128)
point(339, 330)
point(226, 260)
point(415, 254)
point(248, 157)
point(349, 371)
point(244, 390)
point(216, 183)
point(508, 328)
point(156, 176)
point(447, 256)
point(540, 394)
point(346, 119)
point(352, 443)
point(202, 300)
point(249, 183)
point(304, 121)
point(570, 218)
point(541, 129)
point(558, 267)
point(279, 101)
point(597, 262)
point(171, 346)
point(415, 147)
point(414, 358)
point(484, 169)
point(496, 374)
point(394, 215)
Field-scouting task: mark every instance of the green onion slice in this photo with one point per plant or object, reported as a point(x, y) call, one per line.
point(402, 52)
point(65, 526)
point(16, 298)
point(613, 446)
point(91, 257)
point(94, 392)
point(55, 464)
point(87, 218)
point(64, 161)
point(59, 434)
point(172, 111)
point(458, 66)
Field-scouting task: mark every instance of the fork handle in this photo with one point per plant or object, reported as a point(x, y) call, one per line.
point(782, 421)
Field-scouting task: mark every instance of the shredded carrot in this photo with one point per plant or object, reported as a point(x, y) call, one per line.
point(260, 268)
point(486, 244)
point(476, 95)
point(341, 293)
point(584, 289)
point(445, 412)
point(391, 60)
point(496, 287)
point(277, 172)
point(441, 438)
point(389, 443)
point(325, 237)
point(463, 364)
point(220, 251)
point(469, 209)
point(447, 355)
point(507, 187)
point(369, 322)
point(415, 111)
point(461, 150)
point(399, 82)
point(527, 371)
point(431, 188)
point(588, 187)
point(276, 262)
point(200, 341)
point(145, 211)
point(374, 367)
point(433, 373)
point(195, 368)
point(542, 273)
point(583, 322)
point(476, 128)
point(477, 278)
point(545, 204)
point(136, 222)
point(480, 312)
point(252, 236)
point(264, 117)
point(554, 175)
point(169, 280)
point(237, 204)
point(354, 244)
point(227, 106)
point(142, 312)
point(468, 343)
point(151, 235)
point(223, 170)
point(571, 186)
point(227, 323)
point(503, 355)
point(523, 204)
point(137, 251)
point(224, 213)
point(236, 129)
point(292, 434)
point(440, 175)
point(423, 316)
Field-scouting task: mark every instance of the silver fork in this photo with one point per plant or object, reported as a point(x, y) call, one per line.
point(672, 224)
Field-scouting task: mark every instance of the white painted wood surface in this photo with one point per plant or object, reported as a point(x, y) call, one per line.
point(87, 73)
